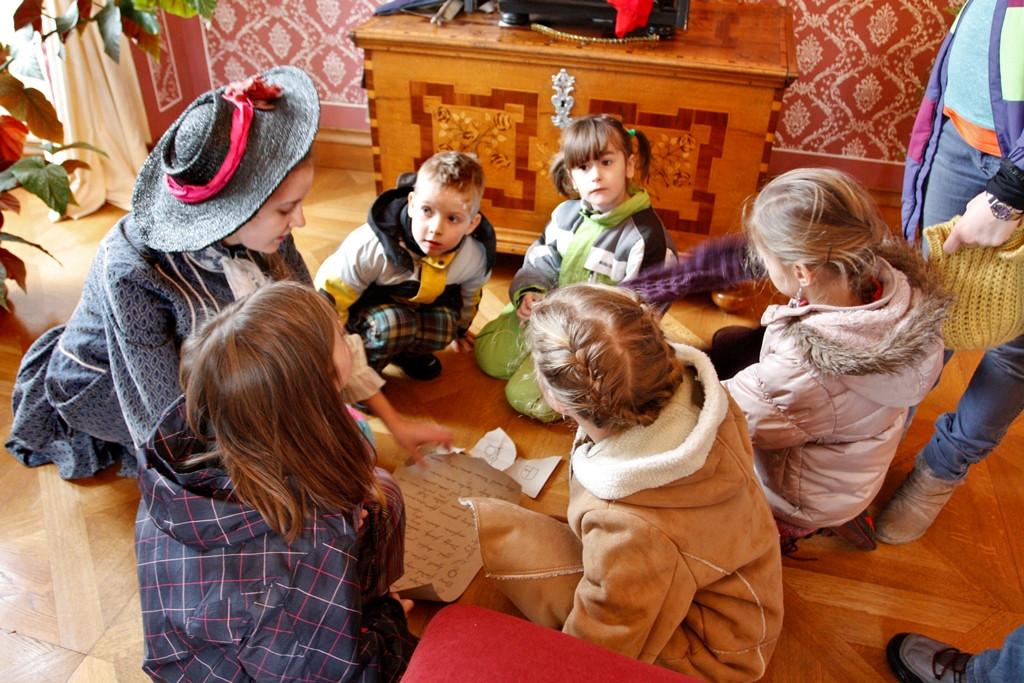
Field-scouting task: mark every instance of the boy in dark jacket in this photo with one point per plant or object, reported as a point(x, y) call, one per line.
point(409, 280)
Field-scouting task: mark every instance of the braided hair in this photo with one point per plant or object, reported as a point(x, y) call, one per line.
point(602, 355)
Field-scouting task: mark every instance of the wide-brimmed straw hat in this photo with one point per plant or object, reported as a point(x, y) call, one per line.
point(225, 155)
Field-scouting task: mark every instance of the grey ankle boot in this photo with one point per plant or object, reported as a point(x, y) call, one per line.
point(915, 658)
point(914, 506)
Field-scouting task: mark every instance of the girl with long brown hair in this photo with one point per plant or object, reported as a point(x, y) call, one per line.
point(266, 537)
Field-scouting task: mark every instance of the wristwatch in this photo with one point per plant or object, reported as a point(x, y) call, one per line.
point(1001, 209)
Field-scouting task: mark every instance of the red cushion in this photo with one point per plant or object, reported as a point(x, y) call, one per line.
point(467, 643)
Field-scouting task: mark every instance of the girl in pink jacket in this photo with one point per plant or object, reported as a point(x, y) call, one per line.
point(842, 364)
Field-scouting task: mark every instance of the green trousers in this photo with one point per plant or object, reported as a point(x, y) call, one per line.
point(501, 352)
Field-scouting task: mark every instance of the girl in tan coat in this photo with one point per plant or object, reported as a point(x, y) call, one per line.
point(672, 556)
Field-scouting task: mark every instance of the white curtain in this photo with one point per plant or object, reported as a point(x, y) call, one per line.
point(99, 102)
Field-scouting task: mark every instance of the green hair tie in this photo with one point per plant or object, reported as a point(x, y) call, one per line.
point(632, 132)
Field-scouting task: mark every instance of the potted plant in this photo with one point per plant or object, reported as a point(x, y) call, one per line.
point(28, 110)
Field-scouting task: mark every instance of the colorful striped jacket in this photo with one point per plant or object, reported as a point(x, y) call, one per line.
point(578, 246)
point(380, 263)
point(1006, 87)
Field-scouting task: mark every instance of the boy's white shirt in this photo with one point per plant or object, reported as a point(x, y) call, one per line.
point(653, 456)
point(360, 261)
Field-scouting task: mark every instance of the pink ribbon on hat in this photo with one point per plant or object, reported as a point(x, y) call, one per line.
point(246, 95)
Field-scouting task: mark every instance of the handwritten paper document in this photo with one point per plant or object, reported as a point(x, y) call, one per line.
point(442, 554)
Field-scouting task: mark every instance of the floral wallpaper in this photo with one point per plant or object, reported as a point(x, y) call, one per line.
point(246, 37)
point(312, 34)
point(862, 64)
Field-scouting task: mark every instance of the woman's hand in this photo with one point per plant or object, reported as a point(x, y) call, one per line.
point(978, 227)
point(526, 305)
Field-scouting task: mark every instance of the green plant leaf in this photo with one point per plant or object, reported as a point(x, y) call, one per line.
point(29, 13)
point(53, 148)
point(146, 20)
point(8, 202)
point(12, 140)
point(179, 8)
point(8, 237)
point(47, 181)
point(41, 117)
point(148, 43)
point(23, 55)
point(12, 95)
point(7, 182)
point(108, 20)
point(206, 8)
point(14, 268)
point(67, 21)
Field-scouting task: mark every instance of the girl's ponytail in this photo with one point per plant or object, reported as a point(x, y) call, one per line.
point(560, 176)
point(587, 138)
point(643, 155)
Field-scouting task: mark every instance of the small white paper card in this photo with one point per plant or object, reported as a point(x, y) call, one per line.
point(533, 474)
point(496, 449)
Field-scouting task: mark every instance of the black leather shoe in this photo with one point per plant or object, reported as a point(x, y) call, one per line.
point(915, 658)
point(421, 366)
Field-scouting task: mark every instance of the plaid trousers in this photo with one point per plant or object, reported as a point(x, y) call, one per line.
point(390, 329)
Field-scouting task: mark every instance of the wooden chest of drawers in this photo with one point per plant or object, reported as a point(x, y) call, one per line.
point(708, 100)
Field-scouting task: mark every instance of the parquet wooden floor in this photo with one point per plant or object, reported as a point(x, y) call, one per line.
point(69, 607)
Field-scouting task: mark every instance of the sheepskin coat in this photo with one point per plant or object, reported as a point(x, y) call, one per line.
point(681, 562)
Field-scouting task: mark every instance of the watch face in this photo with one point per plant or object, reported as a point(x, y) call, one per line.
point(1002, 211)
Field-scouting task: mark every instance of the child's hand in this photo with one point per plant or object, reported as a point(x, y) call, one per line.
point(463, 344)
point(406, 603)
point(363, 514)
point(526, 305)
point(412, 436)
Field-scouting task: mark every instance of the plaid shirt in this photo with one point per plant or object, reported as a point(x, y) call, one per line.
point(224, 598)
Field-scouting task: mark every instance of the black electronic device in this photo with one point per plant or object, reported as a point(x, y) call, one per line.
point(666, 15)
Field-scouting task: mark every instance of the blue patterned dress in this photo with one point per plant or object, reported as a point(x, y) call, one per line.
point(90, 391)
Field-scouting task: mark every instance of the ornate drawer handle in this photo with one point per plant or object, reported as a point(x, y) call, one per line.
point(563, 84)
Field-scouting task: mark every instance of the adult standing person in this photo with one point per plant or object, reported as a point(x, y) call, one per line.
point(966, 157)
point(212, 214)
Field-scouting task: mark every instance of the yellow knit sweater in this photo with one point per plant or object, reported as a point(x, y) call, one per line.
point(989, 286)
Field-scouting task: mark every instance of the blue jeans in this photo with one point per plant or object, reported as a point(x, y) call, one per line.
point(994, 397)
point(999, 666)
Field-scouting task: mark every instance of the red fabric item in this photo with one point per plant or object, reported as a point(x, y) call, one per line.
point(466, 643)
point(630, 15)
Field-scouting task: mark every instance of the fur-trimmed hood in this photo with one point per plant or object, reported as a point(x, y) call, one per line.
point(876, 346)
point(674, 446)
point(827, 402)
